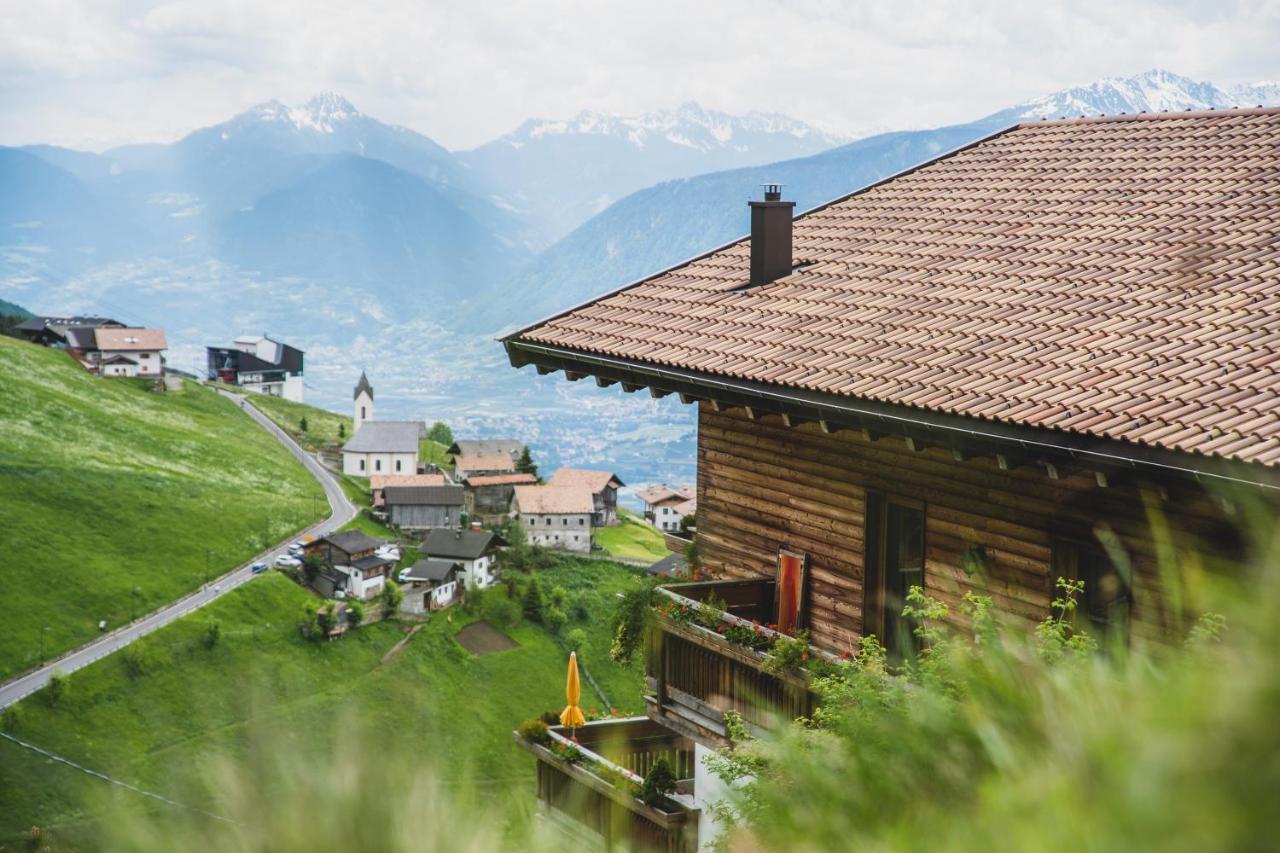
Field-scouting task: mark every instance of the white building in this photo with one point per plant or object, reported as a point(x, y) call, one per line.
point(259, 364)
point(665, 507)
point(556, 516)
point(130, 352)
point(379, 447)
point(475, 552)
point(429, 584)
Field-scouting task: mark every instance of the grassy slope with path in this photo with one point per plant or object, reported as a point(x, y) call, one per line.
point(632, 539)
point(262, 682)
point(107, 486)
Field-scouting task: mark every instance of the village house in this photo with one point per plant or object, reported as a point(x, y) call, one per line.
point(380, 447)
point(429, 584)
point(486, 446)
point(466, 466)
point(52, 331)
point(259, 364)
point(556, 516)
point(1051, 354)
point(475, 552)
point(352, 568)
point(129, 352)
point(488, 497)
point(665, 507)
point(378, 482)
point(422, 507)
point(603, 486)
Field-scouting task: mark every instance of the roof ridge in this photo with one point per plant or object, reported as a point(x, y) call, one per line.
point(1143, 116)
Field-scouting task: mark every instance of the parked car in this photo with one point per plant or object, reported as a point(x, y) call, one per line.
point(258, 568)
point(285, 561)
point(388, 552)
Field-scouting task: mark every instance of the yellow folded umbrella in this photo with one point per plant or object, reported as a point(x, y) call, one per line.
point(572, 715)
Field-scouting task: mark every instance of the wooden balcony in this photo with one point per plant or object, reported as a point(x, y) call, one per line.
point(586, 797)
point(696, 675)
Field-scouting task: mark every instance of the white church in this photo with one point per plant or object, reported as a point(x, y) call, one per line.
point(379, 447)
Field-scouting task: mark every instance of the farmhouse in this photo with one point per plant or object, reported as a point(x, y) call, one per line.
point(259, 364)
point(475, 552)
point(422, 507)
point(52, 331)
point(129, 352)
point(665, 507)
point(603, 486)
point(466, 466)
point(556, 516)
point(487, 446)
point(1051, 354)
point(378, 482)
point(353, 569)
point(489, 496)
point(430, 584)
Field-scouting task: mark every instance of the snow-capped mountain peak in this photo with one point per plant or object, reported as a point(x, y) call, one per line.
point(323, 111)
point(1156, 90)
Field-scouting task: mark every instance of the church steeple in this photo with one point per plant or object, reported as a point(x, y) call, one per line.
point(363, 397)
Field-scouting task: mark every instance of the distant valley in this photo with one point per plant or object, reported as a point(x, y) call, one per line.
point(370, 246)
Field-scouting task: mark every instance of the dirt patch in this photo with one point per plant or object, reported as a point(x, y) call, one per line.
point(481, 638)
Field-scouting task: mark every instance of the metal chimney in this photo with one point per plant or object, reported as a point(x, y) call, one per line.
point(770, 236)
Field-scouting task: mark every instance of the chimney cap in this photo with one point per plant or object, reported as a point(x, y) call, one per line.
point(772, 190)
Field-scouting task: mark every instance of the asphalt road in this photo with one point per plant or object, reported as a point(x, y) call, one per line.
point(341, 511)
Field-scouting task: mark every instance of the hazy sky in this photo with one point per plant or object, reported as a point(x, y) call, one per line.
point(94, 73)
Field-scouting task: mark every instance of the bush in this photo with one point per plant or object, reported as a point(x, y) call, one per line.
point(554, 618)
point(578, 609)
point(788, 655)
point(355, 614)
point(311, 566)
point(576, 640)
point(440, 434)
point(302, 424)
point(501, 612)
point(534, 731)
point(658, 782)
point(11, 718)
point(135, 665)
point(392, 595)
point(474, 598)
point(631, 622)
point(559, 597)
point(551, 718)
point(55, 691)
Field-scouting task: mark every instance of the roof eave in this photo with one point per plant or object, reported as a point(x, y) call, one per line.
point(973, 436)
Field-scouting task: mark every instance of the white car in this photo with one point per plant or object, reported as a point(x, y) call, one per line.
point(388, 552)
point(284, 561)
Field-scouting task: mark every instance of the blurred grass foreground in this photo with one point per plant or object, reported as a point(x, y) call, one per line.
point(987, 740)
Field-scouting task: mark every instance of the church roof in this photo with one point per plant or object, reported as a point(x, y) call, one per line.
point(362, 385)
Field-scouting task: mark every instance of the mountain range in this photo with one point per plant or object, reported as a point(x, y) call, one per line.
point(370, 245)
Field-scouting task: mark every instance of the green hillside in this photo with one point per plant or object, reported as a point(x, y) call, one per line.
point(114, 498)
point(184, 706)
point(9, 309)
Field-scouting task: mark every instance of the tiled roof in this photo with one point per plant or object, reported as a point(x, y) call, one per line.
point(132, 340)
point(381, 481)
point(385, 437)
point(1118, 278)
point(502, 480)
point(593, 481)
point(484, 462)
point(472, 446)
point(458, 544)
point(554, 500)
point(350, 541)
point(662, 492)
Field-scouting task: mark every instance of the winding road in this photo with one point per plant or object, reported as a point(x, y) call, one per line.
point(341, 511)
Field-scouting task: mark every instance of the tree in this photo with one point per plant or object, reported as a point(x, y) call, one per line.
point(532, 603)
point(440, 434)
point(311, 566)
point(576, 640)
point(342, 429)
point(688, 524)
point(392, 595)
point(56, 690)
point(525, 464)
point(309, 624)
point(554, 618)
point(355, 614)
point(302, 424)
point(327, 619)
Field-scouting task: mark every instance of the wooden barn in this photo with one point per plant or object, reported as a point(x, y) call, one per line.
point(1052, 353)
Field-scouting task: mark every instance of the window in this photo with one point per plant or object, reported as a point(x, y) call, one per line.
point(582, 521)
point(361, 464)
point(377, 464)
point(894, 562)
point(397, 464)
point(1103, 607)
point(362, 414)
point(565, 522)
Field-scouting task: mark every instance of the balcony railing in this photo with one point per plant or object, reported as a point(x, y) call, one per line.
point(595, 789)
point(696, 674)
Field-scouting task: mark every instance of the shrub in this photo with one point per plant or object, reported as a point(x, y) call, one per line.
point(302, 424)
point(554, 618)
point(501, 612)
point(578, 609)
point(392, 595)
point(789, 655)
point(135, 665)
point(11, 718)
point(534, 731)
point(55, 691)
point(576, 640)
point(355, 614)
point(559, 597)
point(631, 621)
point(551, 718)
point(311, 566)
point(658, 782)
point(473, 600)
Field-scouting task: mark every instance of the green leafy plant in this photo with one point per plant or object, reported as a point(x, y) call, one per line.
point(789, 655)
point(355, 614)
point(554, 618)
point(534, 731)
point(392, 596)
point(658, 782)
point(212, 635)
point(631, 622)
point(532, 602)
point(55, 690)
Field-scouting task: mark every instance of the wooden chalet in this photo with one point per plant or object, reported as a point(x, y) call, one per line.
point(1033, 357)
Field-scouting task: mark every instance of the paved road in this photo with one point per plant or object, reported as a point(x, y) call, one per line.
point(341, 511)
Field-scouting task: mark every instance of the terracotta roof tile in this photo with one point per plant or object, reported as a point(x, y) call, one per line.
point(554, 500)
point(1119, 278)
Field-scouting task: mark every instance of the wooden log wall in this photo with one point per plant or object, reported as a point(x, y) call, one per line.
point(763, 486)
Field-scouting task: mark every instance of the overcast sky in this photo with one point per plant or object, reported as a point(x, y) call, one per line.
point(95, 73)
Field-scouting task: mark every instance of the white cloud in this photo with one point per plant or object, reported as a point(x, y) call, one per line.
point(93, 73)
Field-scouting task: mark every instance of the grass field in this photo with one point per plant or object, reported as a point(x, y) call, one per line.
point(116, 499)
point(190, 705)
point(632, 539)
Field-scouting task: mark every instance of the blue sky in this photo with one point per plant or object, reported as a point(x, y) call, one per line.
point(95, 73)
